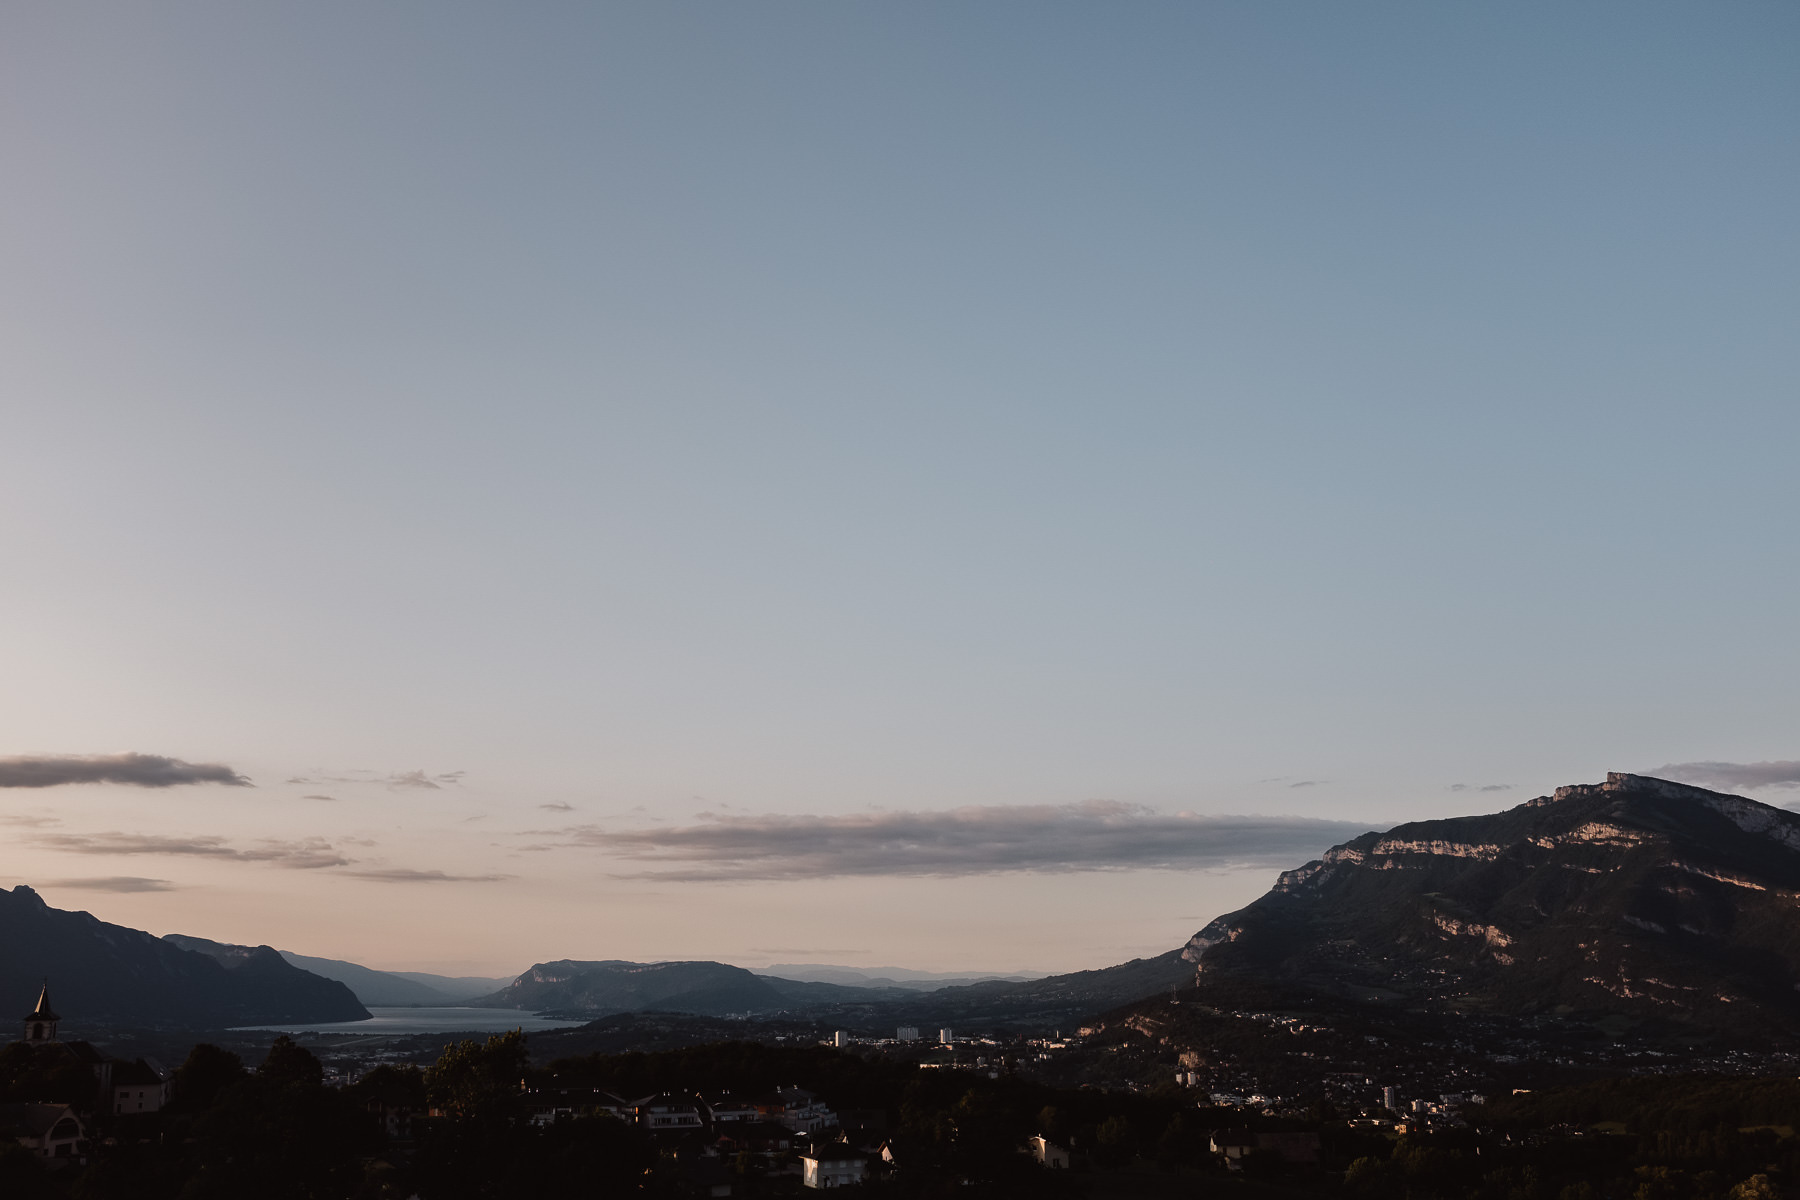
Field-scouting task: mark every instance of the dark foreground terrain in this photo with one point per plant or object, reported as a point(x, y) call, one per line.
point(483, 1120)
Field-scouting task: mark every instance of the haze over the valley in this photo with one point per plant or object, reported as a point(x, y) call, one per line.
point(963, 489)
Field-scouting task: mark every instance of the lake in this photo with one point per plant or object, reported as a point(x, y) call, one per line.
point(430, 1020)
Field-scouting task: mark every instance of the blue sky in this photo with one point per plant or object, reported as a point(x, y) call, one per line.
point(813, 411)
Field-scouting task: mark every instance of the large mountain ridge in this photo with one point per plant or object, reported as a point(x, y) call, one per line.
point(111, 974)
point(1636, 895)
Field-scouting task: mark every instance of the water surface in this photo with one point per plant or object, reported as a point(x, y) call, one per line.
point(431, 1020)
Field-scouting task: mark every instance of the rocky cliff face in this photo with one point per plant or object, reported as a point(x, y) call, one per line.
point(1635, 895)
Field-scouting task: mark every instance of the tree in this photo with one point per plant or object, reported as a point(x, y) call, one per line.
point(291, 1063)
point(279, 1134)
point(473, 1079)
point(205, 1073)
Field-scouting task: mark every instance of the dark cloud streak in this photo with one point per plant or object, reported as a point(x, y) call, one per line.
point(115, 883)
point(408, 875)
point(135, 770)
point(305, 854)
point(1099, 835)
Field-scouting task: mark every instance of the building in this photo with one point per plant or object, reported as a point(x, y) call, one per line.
point(727, 1110)
point(41, 1038)
point(798, 1109)
point(141, 1086)
point(1233, 1144)
point(50, 1131)
point(663, 1113)
point(41, 1022)
point(1048, 1153)
point(840, 1039)
point(837, 1166)
point(907, 1033)
point(1298, 1149)
point(946, 1037)
point(1390, 1098)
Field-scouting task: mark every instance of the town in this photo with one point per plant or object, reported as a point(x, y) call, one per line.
point(904, 1116)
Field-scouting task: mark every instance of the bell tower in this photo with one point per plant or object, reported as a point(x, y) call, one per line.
point(40, 1022)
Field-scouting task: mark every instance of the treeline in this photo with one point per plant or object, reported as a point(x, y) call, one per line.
point(277, 1131)
point(1674, 1104)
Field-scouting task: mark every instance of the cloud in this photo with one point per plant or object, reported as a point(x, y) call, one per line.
point(412, 780)
point(317, 797)
point(115, 883)
point(557, 807)
point(137, 770)
point(1486, 787)
point(407, 875)
point(304, 854)
point(1731, 776)
point(27, 820)
point(1307, 783)
point(1098, 835)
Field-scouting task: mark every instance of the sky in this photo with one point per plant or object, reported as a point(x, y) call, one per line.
point(960, 486)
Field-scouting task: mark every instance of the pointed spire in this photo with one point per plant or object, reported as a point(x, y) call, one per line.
point(43, 1011)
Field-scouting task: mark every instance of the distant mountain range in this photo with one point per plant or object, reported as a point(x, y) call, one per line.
point(1635, 896)
point(713, 989)
point(614, 986)
point(887, 977)
point(105, 974)
point(399, 988)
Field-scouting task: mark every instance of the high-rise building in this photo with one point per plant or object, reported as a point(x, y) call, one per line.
point(907, 1033)
point(1390, 1098)
point(945, 1037)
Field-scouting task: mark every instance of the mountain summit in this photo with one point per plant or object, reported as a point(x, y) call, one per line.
point(1636, 895)
point(110, 975)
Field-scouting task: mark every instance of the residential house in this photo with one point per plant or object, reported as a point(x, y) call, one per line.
point(668, 1113)
point(798, 1109)
point(1297, 1149)
point(726, 1109)
point(140, 1086)
point(832, 1166)
point(50, 1131)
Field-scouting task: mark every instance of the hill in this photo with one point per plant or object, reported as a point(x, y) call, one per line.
point(398, 988)
point(615, 986)
point(1635, 896)
point(111, 975)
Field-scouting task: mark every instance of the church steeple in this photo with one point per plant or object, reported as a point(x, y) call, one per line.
point(40, 1022)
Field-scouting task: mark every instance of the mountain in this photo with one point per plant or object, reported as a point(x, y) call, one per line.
point(614, 986)
point(461, 989)
point(397, 988)
point(285, 987)
point(109, 975)
point(1058, 998)
point(884, 977)
point(717, 989)
point(1635, 896)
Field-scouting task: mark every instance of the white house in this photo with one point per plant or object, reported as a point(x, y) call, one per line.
point(835, 1167)
point(664, 1112)
point(139, 1087)
point(799, 1110)
point(727, 1109)
point(51, 1131)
